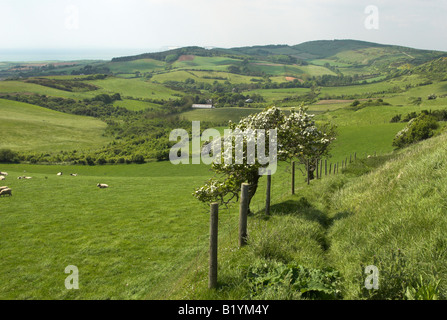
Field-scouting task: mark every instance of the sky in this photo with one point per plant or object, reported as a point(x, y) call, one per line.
point(137, 26)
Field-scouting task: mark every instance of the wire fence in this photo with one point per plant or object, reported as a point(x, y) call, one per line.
point(281, 188)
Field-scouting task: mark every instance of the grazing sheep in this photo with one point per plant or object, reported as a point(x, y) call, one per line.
point(4, 187)
point(2, 178)
point(73, 174)
point(27, 178)
point(21, 177)
point(59, 173)
point(3, 173)
point(102, 185)
point(5, 192)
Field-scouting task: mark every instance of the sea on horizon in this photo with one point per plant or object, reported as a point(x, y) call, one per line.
point(36, 55)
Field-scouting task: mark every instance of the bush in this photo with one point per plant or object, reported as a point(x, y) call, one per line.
point(396, 118)
point(138, 158)
point(8, 156)
point(417, 129)
point(270, 280)
point(101, 161)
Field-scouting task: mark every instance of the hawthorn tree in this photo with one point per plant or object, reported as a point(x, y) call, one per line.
point(296, 137)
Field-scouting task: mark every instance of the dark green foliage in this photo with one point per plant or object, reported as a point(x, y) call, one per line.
point(163, 56)
point(66, 85)
point(415, 101)
point(417, 129)
point(8, 156)
point(138, 158)
point(433, 70)
point(357, 105)
point(92, 70)
point(439, 115)
point(276, 280)
point(396, 118)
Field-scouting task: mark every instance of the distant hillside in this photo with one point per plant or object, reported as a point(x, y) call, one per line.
point(434, 70)
point(171, 55)
point(347, 51)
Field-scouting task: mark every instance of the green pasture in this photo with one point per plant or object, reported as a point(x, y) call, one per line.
point(136, 105)
point(141, 65)
point(130, 241)
point(27, 127)
point(137, 88)
point(10, 87)
point(208, 63)
point(219, 114)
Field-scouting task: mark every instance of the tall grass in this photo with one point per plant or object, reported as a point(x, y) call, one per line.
point(396, 220)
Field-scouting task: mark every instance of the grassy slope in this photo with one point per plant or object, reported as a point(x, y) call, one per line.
point(29, 127)
point(392, 217)
point(130, 241)
point(402, 200)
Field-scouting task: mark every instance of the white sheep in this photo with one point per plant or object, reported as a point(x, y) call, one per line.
point(59, 173)
point(2, 178)
point(73, 174)
point(3, 173)
point(5, 192)
point(102, 185)
point(4, 187)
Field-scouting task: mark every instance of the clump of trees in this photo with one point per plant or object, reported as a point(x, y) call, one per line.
point(357, 105)
point(8, 156)
point(438, 115)
point(65, 85)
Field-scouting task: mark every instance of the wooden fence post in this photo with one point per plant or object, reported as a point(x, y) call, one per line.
point(355, 156)
point(293, 177)
point(267, 196)
point(308, 172)
point(330, 168)
point(316, 168)
point(243, 213)
point(212, 283)
point(325, 167)
point(321, 168)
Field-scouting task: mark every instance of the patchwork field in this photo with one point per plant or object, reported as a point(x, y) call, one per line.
point(147, 237)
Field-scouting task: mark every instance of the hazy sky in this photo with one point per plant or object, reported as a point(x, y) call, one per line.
point(152, 24)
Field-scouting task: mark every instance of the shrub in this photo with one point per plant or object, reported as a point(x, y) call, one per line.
point(8, 156)
point(432, 96)
point(417, 129)
point(396, 118)
point(276, 280)
point(101, 161)
point(138, 158)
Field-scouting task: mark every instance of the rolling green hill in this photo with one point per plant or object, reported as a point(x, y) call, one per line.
point(386, 211)
point(27, 127)
point(147, 237)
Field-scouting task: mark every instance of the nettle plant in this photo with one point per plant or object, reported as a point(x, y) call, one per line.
point(295, 136)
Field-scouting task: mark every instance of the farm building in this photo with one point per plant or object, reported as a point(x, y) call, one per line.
point(203, 106)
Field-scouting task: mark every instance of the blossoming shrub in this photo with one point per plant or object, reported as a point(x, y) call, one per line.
point(297, 137)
